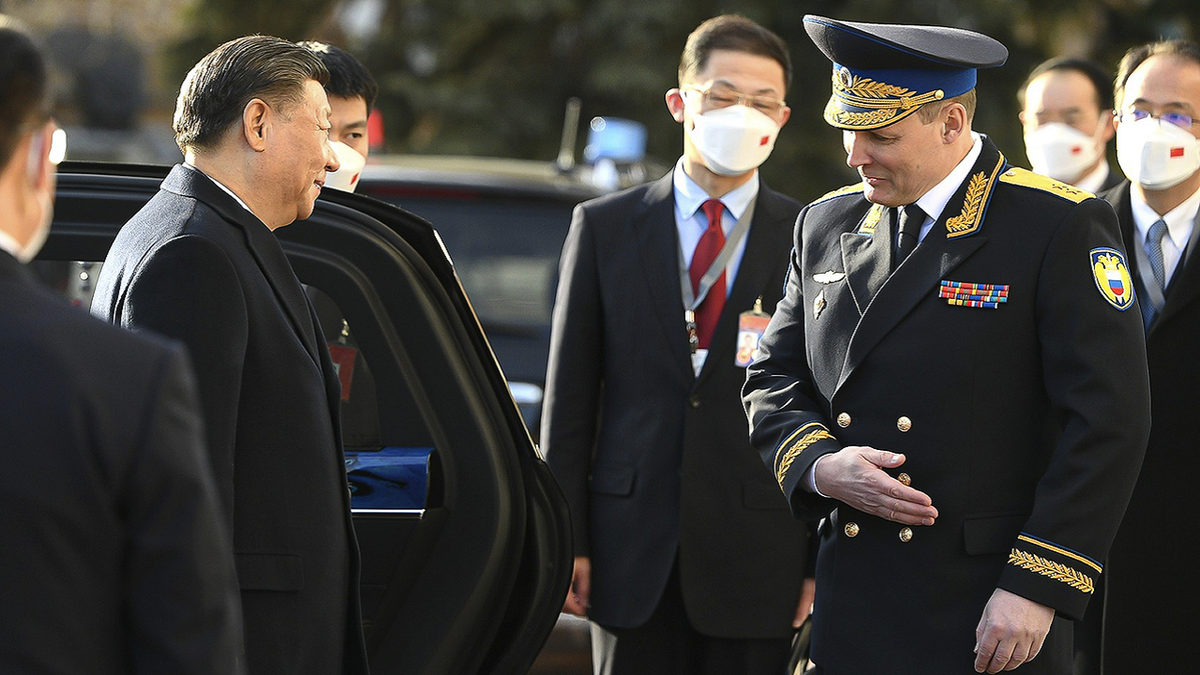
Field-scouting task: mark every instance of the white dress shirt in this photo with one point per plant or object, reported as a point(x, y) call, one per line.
point(9, 244)
point(1094, 180)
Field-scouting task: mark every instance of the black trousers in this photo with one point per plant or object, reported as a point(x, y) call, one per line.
point(668, 645)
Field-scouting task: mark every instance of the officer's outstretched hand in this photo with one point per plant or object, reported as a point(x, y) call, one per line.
point(854, 475)
point(579, 594)
point(1011, 632)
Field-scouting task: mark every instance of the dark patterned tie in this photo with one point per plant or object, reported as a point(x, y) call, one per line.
point(911, 219)
point(707, 248)
point(1155, 253)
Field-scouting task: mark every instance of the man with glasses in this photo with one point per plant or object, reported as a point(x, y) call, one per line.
point(1158, 145)
point(687, 560)
point(114, 557)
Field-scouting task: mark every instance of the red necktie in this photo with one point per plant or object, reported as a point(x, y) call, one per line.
point(707, 248)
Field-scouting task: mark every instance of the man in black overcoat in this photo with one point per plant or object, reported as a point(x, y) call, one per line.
point(199, 263)
point(112, 546)
point(952, 381)
point(1145, 625)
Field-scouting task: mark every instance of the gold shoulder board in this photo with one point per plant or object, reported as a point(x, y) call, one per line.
point(1029, 179)
point(849, 189)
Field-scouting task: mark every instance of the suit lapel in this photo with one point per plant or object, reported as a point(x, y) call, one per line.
point(867, 256)
point(658, 248)
point(952, 239)
point(1185, 282)
point(263, 246)
point(751, 277)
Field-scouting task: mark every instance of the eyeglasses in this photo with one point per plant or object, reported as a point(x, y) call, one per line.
point(719, 96)
point(1137, 114)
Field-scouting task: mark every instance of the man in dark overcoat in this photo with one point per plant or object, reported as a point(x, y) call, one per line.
point(199, 263)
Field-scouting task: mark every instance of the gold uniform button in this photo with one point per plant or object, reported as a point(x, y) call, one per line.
point(906, 534)
point(903, 424)
point(904, 479)
point(852, 529)
point(843, 420)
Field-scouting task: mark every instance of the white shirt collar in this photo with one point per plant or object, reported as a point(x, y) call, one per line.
point(9, 244)
point(934, 201)
point(689, 195)
point(1179, 219)
point(1094, 180)
point(222, 186)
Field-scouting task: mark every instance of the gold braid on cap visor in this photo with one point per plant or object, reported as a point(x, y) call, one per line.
point(883, 103)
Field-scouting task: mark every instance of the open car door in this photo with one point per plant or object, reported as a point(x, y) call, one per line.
point(464, 535)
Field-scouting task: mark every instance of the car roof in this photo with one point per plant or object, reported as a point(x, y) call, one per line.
point(481, 176)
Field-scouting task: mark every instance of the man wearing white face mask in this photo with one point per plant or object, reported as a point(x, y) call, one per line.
point(1068, 121)
point(352, 91)
point(1158, 94)
point(686, 557)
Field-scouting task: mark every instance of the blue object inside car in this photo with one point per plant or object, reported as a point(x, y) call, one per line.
point(390, 478)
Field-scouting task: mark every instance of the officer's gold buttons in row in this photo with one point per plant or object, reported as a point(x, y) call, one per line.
point(903, 423)
point(852, 530)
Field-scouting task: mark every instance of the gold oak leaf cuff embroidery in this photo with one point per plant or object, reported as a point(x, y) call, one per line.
point(798, 447)
point(1048, 568)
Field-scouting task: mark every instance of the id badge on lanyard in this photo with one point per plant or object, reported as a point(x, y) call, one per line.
point(751, 326)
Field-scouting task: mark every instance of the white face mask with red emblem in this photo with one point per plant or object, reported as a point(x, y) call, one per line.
point(349, 170)
point(1155, 154)
point(1061, 151)
point(735, 139)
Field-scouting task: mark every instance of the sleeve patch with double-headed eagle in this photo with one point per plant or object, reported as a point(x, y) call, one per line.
point(1112, 276)
point(1029, 179)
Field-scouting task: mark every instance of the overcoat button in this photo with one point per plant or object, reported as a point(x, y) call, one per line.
point(906, 534)
point(851, 529)
point(904, 479)
point(694, 401)
point(903, 424)
point(843, 420)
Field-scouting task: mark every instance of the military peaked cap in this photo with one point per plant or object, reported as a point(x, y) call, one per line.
point(883, 73)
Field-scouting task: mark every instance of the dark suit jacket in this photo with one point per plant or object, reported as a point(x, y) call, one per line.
point(1145, 618)
point(196, 266)
point(114, 556)
point(654, 460)
point(1024, 422)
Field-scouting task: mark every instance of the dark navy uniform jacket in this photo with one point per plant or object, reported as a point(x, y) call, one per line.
point(1003, 358)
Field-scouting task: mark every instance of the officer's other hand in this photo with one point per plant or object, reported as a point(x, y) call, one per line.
point(854, 475)
point(808, 593)
point(1010, 633)
point(579, 595)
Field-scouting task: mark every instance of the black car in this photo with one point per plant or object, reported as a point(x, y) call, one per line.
point(504, 222)
point(464, 535)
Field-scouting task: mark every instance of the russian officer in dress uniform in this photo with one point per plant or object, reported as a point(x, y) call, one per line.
point(953, 381)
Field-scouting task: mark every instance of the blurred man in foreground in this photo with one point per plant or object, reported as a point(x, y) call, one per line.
point(114, 556)
point(200, 263)
point(1067, 113)
point(952, 381)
